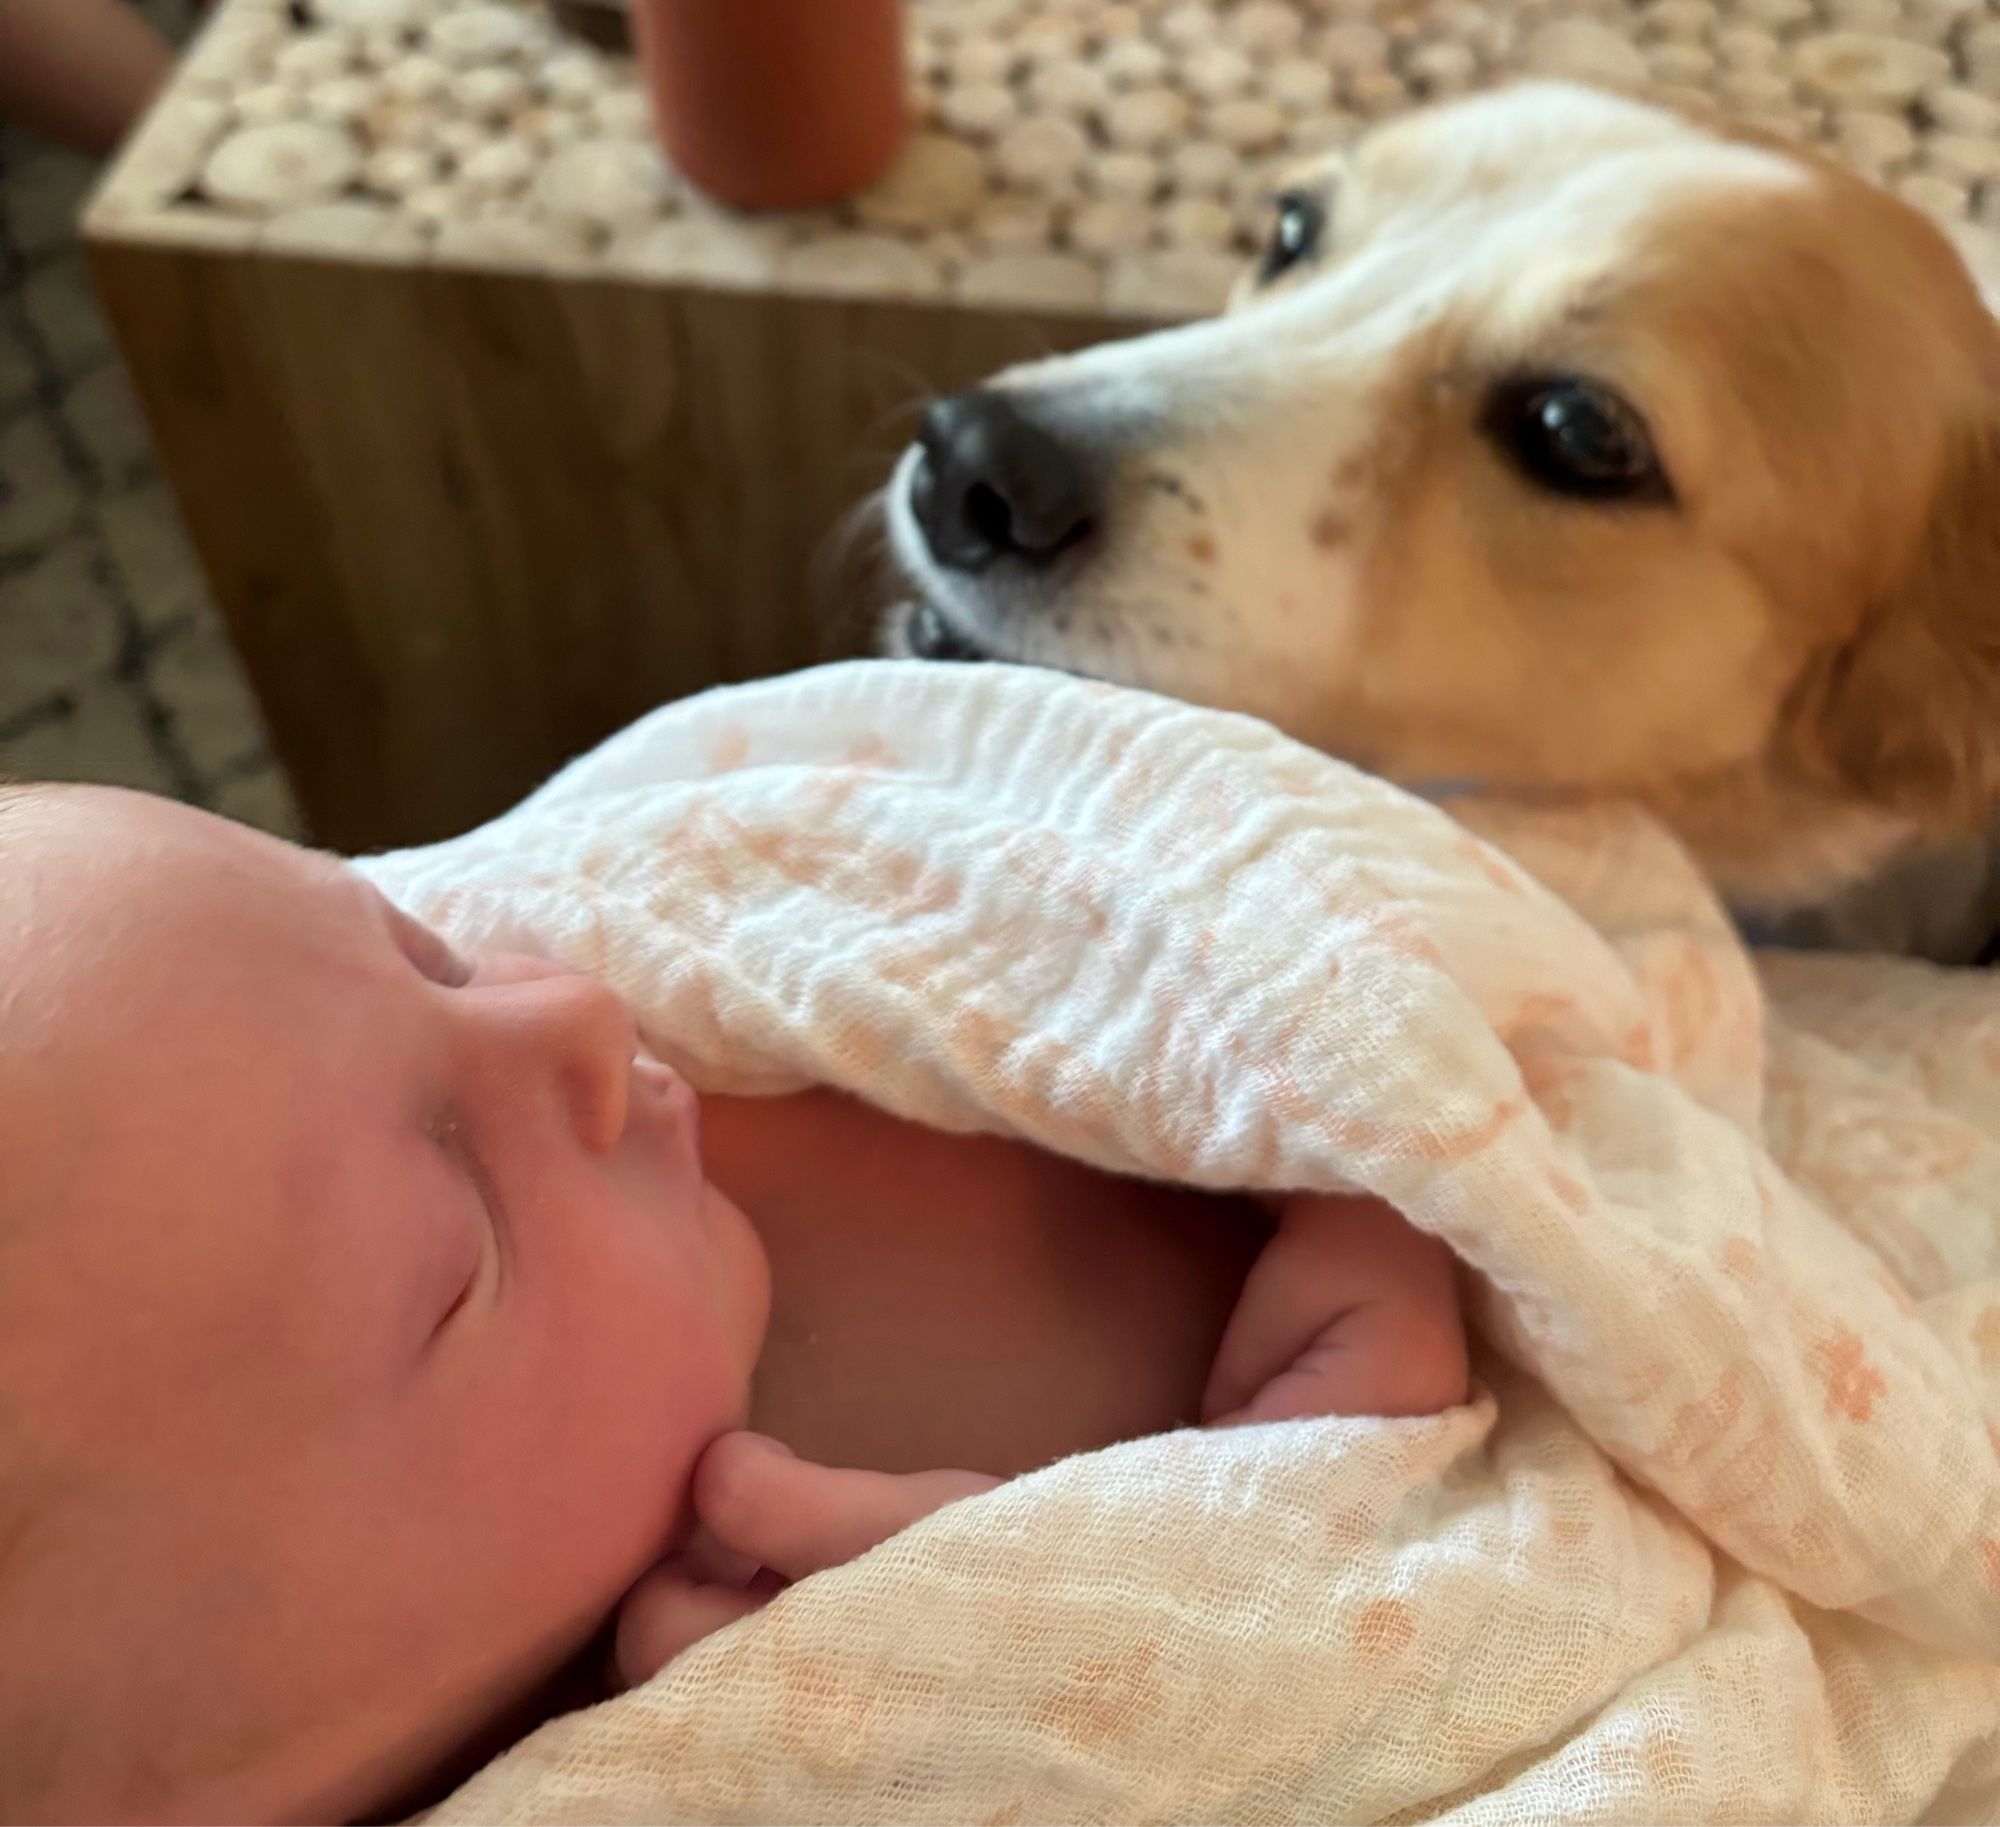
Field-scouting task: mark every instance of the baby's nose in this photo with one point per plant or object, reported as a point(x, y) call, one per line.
point(586, 1032)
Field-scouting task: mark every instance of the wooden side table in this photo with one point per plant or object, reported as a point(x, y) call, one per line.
point(492, 436)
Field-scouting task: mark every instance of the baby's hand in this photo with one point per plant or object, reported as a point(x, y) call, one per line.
point(1350, 1310)
point(680, 1601)
point(767, 1518)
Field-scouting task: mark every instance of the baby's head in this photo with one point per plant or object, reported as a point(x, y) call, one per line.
point(362, 1313)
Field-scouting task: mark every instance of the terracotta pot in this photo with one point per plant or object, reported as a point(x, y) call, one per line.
point(776, 104)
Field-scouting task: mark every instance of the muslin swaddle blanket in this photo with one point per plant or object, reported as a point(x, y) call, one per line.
point(1719, 1538)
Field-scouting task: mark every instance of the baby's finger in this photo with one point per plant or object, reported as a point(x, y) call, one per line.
point(670, 1611)
point(1377, 1361)
point(1282, 1307)
point(707, 1561)
point(798, 1518)
point(1328, 1378)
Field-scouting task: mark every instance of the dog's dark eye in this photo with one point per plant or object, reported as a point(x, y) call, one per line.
point(1578, 438)
point(1300, 226)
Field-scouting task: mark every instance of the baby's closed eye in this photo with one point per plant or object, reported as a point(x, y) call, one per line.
point(460, 1223)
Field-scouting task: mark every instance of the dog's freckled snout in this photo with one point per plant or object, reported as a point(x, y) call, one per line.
point(993, 483)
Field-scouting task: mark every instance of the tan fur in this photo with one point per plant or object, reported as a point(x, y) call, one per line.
point(1797, 664)
point(1875, 538)
point(1908, 712)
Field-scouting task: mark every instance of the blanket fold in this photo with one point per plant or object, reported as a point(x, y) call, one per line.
point(1720, 1537)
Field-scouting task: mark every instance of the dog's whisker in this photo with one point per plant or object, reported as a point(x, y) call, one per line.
point(850, 576)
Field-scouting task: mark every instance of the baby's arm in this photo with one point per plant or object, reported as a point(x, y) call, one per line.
point(768, 1518)
point(1350, 1310)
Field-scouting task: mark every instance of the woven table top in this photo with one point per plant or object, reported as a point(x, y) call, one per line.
point(1070, 155)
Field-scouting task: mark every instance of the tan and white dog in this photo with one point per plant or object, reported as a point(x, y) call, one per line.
point(1560, 443)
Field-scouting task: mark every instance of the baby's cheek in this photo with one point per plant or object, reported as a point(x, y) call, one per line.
point(644, 1397)
point(625, 1364)
point(626, 1467)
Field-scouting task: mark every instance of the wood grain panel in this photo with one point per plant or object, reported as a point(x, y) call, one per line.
point(464, 525)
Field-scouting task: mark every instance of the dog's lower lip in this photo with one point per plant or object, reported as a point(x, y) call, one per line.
point(931, 637)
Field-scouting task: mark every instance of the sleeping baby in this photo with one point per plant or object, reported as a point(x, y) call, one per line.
point(384, 1332)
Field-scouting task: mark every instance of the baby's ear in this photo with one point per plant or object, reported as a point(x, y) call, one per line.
point(1906, 715)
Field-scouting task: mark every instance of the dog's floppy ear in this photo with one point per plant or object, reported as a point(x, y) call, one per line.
point(1906, 714)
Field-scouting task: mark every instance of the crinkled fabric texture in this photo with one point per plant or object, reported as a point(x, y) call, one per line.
point(1719, 1538)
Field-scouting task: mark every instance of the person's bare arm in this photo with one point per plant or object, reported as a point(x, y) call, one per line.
point(1350, 1310)
point(78, 71)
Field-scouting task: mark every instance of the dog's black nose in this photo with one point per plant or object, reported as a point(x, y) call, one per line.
point(994, 484)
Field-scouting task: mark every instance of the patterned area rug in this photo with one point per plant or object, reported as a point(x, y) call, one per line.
point(113, 663)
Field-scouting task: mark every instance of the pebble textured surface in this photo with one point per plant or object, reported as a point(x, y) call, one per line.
point(1071, 149)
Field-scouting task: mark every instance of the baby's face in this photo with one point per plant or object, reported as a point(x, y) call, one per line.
point(362, 1314)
